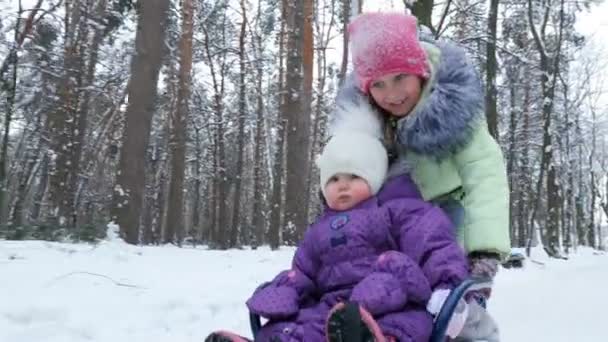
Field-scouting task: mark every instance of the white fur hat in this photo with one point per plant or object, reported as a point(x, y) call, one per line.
point(355, 147)
point(355, 153)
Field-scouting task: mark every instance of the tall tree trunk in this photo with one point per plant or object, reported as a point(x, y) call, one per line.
point(177, 145)
point(224, 218)
point(554, 200)
point(298, 126)
point(214, 189)
point(525, 169)
point(350, 9)
point(604, 206)
point(258, 212)
point(151, 199)
point(308, 62)
point(274, 232)
point(491, 69)
point(61, 120)
point(514, 197)
point(31, 160)
point(145, 67)
point(527, 224)
point(591, 230)
point(581, 226)
point(549, 68)
point(236, 207)
point(196, 205)
point(570, 210)
point(10, 87)
point(42, 188)
point(591, 234)
point(220, 227)
point(83, 114)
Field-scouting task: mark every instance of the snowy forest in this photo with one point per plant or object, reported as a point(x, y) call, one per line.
point(198, 121)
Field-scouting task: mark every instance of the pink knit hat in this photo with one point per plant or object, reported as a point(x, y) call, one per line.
point(384, 43)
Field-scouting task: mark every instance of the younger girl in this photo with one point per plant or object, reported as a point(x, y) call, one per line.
point(390, 259)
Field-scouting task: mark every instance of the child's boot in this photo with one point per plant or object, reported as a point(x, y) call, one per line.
point(348, 322)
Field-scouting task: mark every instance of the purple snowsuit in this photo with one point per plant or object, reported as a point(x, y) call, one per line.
point(388, 258)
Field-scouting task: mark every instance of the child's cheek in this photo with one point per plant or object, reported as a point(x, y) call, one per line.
point(362, 192)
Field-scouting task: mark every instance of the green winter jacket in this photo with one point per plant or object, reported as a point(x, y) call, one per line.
point(446, 142)
point(475, 175)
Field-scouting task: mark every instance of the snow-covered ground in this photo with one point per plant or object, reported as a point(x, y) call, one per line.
point(114, 292)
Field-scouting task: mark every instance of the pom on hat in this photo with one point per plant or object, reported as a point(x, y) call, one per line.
point(384, 43)
point(356, 115)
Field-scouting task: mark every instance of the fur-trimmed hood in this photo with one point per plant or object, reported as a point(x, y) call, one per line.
point(450, 108)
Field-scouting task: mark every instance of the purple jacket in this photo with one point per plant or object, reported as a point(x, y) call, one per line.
point(391, 250)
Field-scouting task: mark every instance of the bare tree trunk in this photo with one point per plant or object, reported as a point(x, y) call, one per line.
point(220, 182)
point(591, 230)
point(258, 213)
point(491, 69)
point(259, 224)
point(525, 169)
point(145, 66)
point(215, 186)
point(570, 210)
point(350, 9)
point(236, 208)
point(298, 126)
point(61, 120)
point(10, 87)
point(30, 160)
point(177, 145)
point(162, 148)
point(224, 218)
point(274, 233)
point(527, 227)
point(42, 187)
point(554, 200)
point(196, 205)
point(581, 226)
point(83, 113)
point(160, 196)
point(549, 68)
point(308, 62)
point(514, 198)
point(603, 201)
point(151, 197)
point(346, 6)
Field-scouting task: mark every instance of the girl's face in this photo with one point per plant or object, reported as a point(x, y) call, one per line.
point(397, 93)
point(343, 191)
